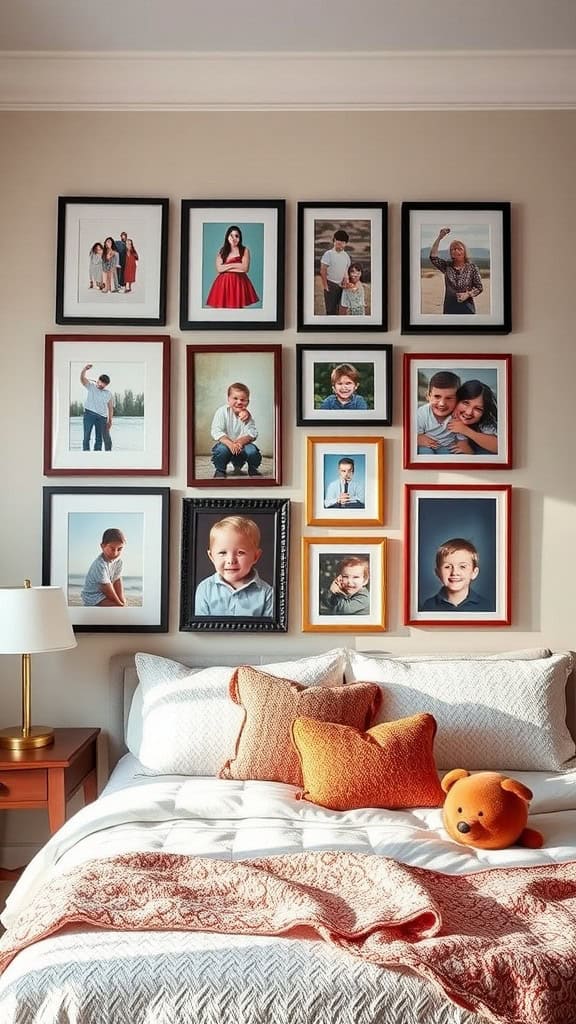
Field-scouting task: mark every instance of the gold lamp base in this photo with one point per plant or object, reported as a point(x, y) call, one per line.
point(14, 738)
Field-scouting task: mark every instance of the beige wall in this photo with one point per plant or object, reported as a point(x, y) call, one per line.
point(525, 157)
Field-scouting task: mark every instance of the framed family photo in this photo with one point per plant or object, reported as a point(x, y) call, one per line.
point(106, 405)
point(344, 481)
point(108, 550)
point(343, 584)
point(344, 385)
point(111, 261)
point(232, 264)
point(342, 266)
point(457, 411)
point(457, 555)
point(234, 573)
point(234, 409)
point(456, 268)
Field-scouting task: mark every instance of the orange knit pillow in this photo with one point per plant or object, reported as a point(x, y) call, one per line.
point(391, 765)
point(264, 749)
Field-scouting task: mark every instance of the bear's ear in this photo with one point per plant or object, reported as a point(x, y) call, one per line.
point(513, 786)
point(451, 777)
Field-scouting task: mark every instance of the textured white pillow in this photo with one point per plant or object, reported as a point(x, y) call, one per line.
point(190, 723)
point(498, 715)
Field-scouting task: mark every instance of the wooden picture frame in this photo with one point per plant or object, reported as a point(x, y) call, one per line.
point(74, 540)
point(344, 385)
point(90, 285)
point(325, 595)
point(440, 295)
point(220, 591)
point(333, 239)
point(214, 298)
point(344, 481)
point(224, 383)
point(126, 380)
point(455, 535)
point(457, 411)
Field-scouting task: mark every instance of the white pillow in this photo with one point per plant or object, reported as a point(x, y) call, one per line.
point(491, 714)
point(190, 723)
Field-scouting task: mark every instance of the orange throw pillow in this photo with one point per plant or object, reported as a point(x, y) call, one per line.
point(390, 765)
point(264, 748)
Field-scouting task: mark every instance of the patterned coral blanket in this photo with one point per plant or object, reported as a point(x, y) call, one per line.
point(501, 942)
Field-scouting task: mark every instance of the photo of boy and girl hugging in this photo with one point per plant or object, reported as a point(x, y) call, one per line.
point(457, 418)
point(112, 265)
point(340, 277)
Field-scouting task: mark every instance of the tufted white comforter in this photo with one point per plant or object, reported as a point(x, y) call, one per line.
point(84, 977)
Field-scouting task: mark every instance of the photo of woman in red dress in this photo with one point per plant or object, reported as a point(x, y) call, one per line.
point(232, 288)
point(130, 265)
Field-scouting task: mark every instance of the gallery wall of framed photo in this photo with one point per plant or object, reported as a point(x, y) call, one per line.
point(109, 410)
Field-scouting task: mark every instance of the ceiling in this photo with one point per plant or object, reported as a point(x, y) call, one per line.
point(295, 26)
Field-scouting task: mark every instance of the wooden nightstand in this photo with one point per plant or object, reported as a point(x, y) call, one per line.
point(49, 776)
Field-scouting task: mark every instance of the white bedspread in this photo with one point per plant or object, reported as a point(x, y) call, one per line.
point(235, 820)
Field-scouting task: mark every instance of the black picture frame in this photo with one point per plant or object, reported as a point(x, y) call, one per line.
point(429, 302)
point(366, 224)
point(205, 224)
point(73, 522)
point(372, 363)
point(79, 298)
point(199, 515)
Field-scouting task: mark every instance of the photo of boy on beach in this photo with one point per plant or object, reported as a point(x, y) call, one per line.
point(105, 550)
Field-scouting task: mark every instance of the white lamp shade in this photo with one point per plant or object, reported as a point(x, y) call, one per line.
point(34, 620)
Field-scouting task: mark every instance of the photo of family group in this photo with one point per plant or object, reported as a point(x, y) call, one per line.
point(341, 266)
point(457, 411)
point(111, 260)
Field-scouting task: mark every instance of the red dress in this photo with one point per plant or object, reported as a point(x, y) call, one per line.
point(130, 268)
point(232, 291)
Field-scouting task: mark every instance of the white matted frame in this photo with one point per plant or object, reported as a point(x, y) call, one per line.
point(325, 560)
point(74, 520)
point(471, 428)
point(431, 301)
point(139, 370)
point(204, 227)
point(364, 226)
point(344, 481)
point(320, 369)
point(84, 221)
point(457, 568)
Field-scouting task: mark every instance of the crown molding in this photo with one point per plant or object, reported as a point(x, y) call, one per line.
point(415, 80)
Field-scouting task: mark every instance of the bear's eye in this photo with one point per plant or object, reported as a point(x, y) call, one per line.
point(459, 810)
point(480, 814)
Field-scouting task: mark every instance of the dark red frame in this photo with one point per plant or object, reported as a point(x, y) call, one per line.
point(233, 481)
point(410, 566)
point(164, 468)
point(477, 461)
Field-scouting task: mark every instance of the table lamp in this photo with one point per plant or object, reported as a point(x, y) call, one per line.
point(33, 620)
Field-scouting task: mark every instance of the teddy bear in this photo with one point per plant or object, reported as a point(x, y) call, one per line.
point(487, 810)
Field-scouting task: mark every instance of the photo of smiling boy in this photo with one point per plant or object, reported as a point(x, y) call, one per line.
point(235, 588)
point(349, 594)
point(432, 418)
point(457, 566)
point(345, 381)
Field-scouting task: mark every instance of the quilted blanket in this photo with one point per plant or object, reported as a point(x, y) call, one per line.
point(500, 942)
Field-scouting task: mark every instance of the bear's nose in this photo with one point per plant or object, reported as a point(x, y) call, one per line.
point(463, 826)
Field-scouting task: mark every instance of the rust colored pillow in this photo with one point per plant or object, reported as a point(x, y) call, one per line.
point(390, 765)
point(264, 748)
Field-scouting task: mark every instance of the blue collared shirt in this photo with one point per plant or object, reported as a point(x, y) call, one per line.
point(215, 597)
point(473, 603)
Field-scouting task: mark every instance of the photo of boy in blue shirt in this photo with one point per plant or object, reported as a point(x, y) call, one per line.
point(235, 588)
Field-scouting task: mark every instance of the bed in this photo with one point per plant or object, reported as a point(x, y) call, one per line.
point(181, 896)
